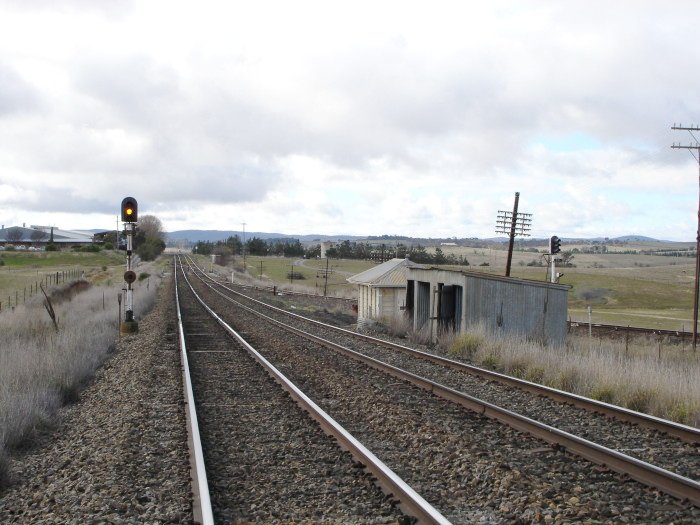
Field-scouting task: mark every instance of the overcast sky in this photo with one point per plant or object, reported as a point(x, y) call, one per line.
point(412, 118)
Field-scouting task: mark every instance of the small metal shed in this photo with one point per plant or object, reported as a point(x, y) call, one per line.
point(460, 300)
point(381, 290)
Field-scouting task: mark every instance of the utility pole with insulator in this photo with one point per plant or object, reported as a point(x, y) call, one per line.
point(512, 224)
point(693, 148)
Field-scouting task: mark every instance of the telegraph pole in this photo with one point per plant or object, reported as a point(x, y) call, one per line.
point(513, 223)
point(693, 147)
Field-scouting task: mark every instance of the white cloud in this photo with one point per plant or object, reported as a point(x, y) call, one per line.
point(391, 117)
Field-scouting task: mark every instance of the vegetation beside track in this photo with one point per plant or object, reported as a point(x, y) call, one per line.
point(41, 366)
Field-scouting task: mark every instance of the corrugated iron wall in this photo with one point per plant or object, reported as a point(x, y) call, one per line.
point(512, 307)
point(536, 310)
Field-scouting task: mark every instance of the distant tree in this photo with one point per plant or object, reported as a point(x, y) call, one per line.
point(151, 226)
point(222, 249)
point(203, 248)
point(39, 235)
point(14, 234)
point(293, 249)
point(345, 250)
point(148, 241)
point(439, 256)
point(256, 246)
point(234, 243)
point(150, 249)
point(313, 252)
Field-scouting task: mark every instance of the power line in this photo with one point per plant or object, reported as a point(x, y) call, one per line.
point(693, 148)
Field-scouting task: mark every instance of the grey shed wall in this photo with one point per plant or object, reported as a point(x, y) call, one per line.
point(517, 307)
point(506, 305)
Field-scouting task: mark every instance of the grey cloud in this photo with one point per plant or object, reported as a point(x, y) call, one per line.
point(16, 95)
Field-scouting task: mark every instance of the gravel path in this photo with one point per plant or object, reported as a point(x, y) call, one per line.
point(471, 468)
point(119, 454)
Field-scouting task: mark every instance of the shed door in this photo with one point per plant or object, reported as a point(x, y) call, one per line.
point(447, 307)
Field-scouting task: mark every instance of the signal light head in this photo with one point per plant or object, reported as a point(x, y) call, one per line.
point(554, 245)
point(129, 210)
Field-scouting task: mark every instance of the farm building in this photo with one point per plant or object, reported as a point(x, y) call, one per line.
point(460, 300)
point(39, 236)
point(381, 290)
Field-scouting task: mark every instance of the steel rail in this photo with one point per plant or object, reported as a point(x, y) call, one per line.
point(410, 501)
point(631, 329)
point(646, 473)
point(201, 505)
point(684, 432)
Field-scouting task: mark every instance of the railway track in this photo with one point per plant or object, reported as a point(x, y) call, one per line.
point(266, 459)
point(626, 331)
point(651, 444)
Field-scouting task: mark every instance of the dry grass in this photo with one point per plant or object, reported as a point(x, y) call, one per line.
point(633, 377)
point(41, 368)
point(642, 374)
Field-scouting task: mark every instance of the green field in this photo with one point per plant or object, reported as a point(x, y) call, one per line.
point(277, 270)
point(20, 272)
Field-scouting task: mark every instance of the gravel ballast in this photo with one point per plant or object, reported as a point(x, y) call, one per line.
point(119, 454)
point(471, 468)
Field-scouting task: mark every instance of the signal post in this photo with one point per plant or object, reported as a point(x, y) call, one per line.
point(129, 211)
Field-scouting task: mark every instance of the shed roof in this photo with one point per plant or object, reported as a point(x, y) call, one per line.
point(390, 274)
point(33, 235)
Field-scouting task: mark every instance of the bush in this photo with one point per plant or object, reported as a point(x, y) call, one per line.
point(109, 246)
point(150, 249)
point(491, 362)
point(9, 248)
point(51, 247)
point(90, 248)
point(144, 275)
point(604, 393)
point(465, 345)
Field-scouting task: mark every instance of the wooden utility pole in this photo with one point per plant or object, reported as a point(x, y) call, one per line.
point(512, 224)
point(693, 147)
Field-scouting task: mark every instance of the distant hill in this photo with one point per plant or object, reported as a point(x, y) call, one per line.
point(220, 235)
point(637, 238)
point(194, 236)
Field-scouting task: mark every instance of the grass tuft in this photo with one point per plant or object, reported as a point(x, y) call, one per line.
point(465, 345)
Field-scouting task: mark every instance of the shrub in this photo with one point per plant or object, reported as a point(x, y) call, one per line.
point(90, 248)
point(143, 276)
point(108, 246)
point(9, 248)
point(604, 393)
point(51, 247)
point(534, 374)
point(490, 361)
point(465, 345)
point(640, 399)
